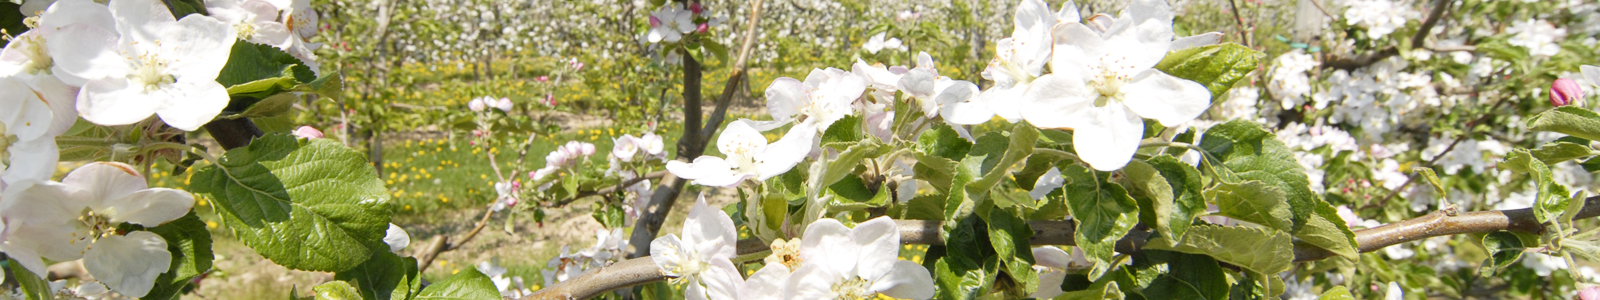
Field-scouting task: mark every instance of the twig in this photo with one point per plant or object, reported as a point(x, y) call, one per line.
point(610, 189)
point(1464, 136)
point(695, 138)
point(1439, 223)
point(1352, 63)
point(1244, 34)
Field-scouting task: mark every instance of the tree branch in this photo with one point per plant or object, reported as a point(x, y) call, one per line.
point(1439, 223)
point(1417, 40)
point(695, 137)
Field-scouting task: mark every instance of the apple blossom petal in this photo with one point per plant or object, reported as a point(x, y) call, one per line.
point(62, 100)
point(706, 170)
point(1047, 183)
point(112, 101)
point(1051, 256)
point(788, 151)
point(905, 280)
point(141, 20)
point(668, 254)
point(28, 258)
point(919, 83)
point(1171, 100)
point(1198, 40)
point(722, 280)
point(810, 281)
point(150, 207)
point(710, 231)
point(31, 160)
point(100, 182)
point(1109, 137)
point(1076, 49)
point(27, 116)
point(1059, 100)
point(273, 34)
point(879, 243)
point(766, 284)
point(654, 35)
point(397, 238)
point(1069, 13)
point(1049, 285)
point(827, 242)
point(86, 53)
point(128, 264)
point(1591, 73)
point(68, 12)
point(197, 48)
point(958, 104)
point(694, 291)
point(190, 105)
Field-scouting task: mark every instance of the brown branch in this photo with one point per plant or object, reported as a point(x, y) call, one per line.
point(695, 137)
point(608, 190)
point(441, 243)
point(1417, 40)
point(1439, 223)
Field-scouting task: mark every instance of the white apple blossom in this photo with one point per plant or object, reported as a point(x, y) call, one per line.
point(1020, 58)
point(28, 54)
point(510, 287)
point(766, 284)
point(702, 259)
point(78, 218)
point(1592, 73)
point(1543, 264)
point(942, 96)
point(844, 263)
point(1538, 36)
point(1049, 182)
point(748, 157)
point(253, 21)
point(669, 23)
point(813, 105)
point(1052, 264)
point(28, 127)
point(506, 195)
point(1380, 17)
point(152, 64)
point(880, 41)
point(1102, 86)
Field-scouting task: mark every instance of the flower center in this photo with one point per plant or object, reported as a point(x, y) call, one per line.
point(6, 140)
point(1109, 85)
point(98, 225)
point(854, 288)
point(39, 60)
point(786, 253)
point(247, 30)
point(152, 72)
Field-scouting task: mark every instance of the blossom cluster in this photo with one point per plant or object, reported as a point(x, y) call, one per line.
point(830, 261)
point(672, 22)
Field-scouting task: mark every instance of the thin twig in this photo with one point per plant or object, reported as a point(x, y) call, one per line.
point(1244, 34)
point(1418, 39)
point(608, 190)
point(1464, 136)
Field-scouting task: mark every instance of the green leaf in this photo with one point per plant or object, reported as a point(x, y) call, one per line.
point(1571, 120)
point(1102, 212)
point(33, 287)
point(952, 285)
point(1560, 151)
point(275, 105)
point(1250, 152)
point(1009, 236)
point(1216, 67)
point(1337, 292)
point(847, 161)
point(1187, 201)
point(256, 70)
point(936, 170)
point(942, 141)
point(1254, 202)
point(330, 85)
point(311, 204)
point(845, 130)
point(1258, 249)
point(1017, 148)
point(1188, 276)
point(386, 276)
point(1433, 180)
point(190, 245)
point(1100, 290)
point(1551, 200)
point(1326, 230)
point(467, 285)
point(336, 290)
point(1504, 249)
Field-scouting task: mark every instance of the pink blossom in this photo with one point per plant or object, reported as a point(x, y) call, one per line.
point(308, 132)
point(544, 78)
point(1564, 92)
point(1590, 293)
point(654, 22)
point(703, 28)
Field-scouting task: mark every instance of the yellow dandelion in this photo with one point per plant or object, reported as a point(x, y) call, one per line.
point(408, 206)
point(211, 224)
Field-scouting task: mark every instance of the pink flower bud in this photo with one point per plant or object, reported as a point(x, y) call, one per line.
point(308, 132)
point(504, 104)
point(544, 78)
point(703, 28)
point(1590, 293)
point(695, 7)
point(577, 66)
point(1565, 92)
point(654, 22)
point(476, 104)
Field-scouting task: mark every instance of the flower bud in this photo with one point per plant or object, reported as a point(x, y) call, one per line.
point(1565, 92)
point(544, 78)
point(476, 104)
point(308, 132)
point(703, 28)
point(1589, 293)
point(695, 7)
point(655, 22)
point(504, 104)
